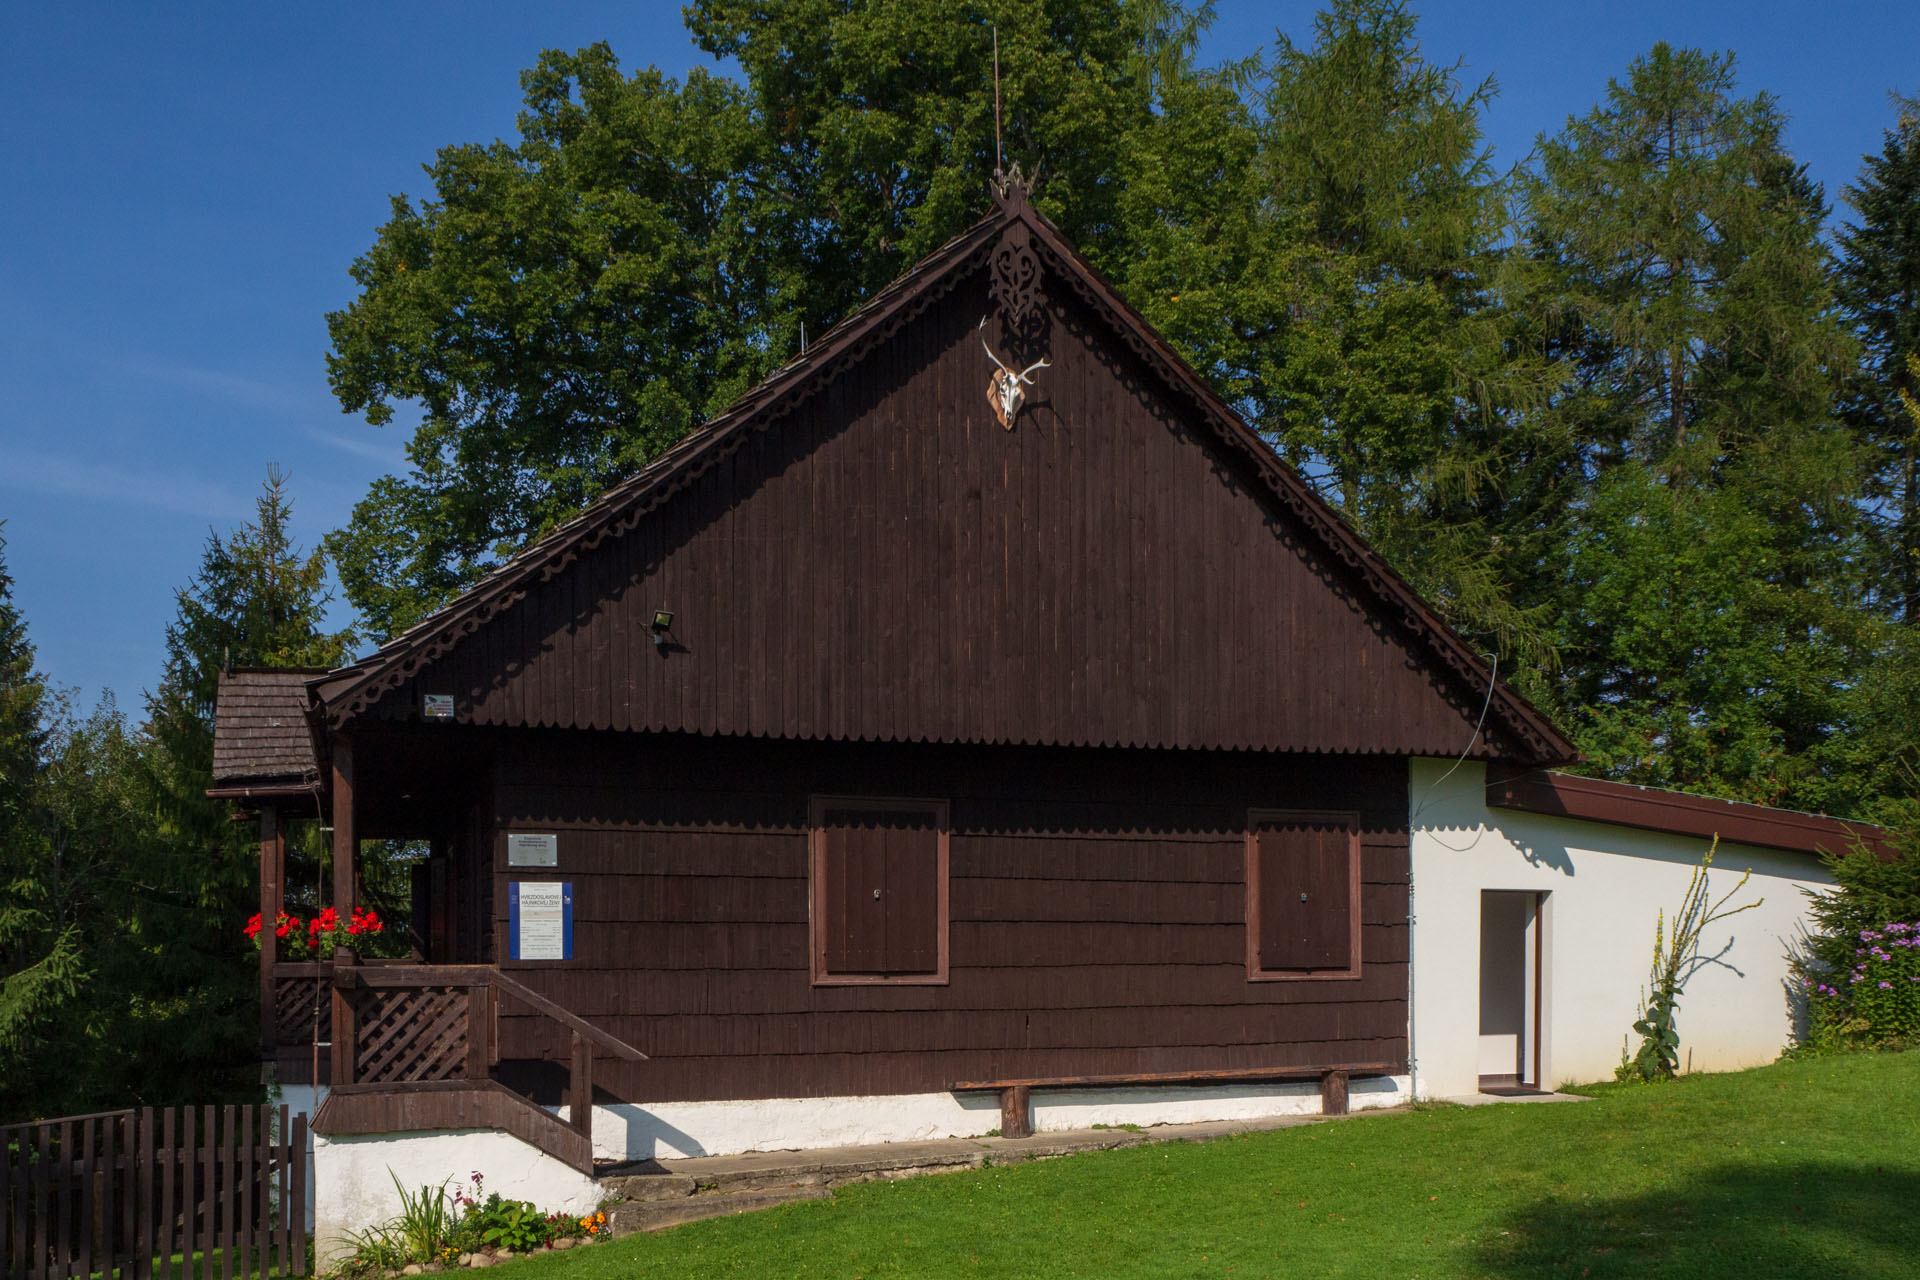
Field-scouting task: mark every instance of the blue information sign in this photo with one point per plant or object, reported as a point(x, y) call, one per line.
point(540, 919)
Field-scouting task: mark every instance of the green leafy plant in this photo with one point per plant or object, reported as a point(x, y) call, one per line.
point(426, 1222)
point(375, 1250)
point(1675, 959)
point(516, 1225)
point(1875, 1003)
point(1867, 914)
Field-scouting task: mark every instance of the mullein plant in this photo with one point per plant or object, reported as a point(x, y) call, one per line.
point(1675, 959)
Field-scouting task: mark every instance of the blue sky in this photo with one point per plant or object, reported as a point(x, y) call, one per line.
point(187, 185)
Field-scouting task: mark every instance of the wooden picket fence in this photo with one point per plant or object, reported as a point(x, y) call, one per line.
point(189, 1193)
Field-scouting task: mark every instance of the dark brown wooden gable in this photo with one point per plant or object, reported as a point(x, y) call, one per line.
point(888, 563)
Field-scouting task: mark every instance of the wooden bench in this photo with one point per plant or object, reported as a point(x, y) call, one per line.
point(1016, 1096)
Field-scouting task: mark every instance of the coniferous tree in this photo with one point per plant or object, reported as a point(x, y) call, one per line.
point(1707, 588)
point(256, 600)
point(40, 966)
point(94, 821)
point(23, 695)
point(1377, 356)
point(1878, 283)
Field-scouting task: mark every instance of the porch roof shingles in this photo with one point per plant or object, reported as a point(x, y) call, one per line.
point(260, 729)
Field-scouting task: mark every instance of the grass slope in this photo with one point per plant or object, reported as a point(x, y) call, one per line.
point(1797, 1169)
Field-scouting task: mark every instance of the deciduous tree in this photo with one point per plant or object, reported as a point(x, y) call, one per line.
point(565, 305)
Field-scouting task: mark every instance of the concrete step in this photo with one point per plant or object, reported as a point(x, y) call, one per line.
point(656, 1215)
point(647, 1186)
point(831, 1167)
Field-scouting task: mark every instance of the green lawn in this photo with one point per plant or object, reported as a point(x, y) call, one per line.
point(1798, 1169)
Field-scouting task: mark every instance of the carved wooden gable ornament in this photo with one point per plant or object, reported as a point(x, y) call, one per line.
point(1014, 285)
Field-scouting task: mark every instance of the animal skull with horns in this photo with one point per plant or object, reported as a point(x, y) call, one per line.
point(1006, 390)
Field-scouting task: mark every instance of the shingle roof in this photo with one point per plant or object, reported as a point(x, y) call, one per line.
point(260, 727)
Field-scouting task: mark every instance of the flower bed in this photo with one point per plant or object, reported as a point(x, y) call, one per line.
point(441, 1228)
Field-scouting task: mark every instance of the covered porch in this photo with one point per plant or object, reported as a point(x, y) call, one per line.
point(411, 1038)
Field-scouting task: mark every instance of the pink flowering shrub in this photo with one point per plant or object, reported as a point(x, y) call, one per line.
point(1877, 1000)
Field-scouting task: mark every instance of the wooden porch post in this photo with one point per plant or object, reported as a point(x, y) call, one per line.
point(346, 847)
point(346, 841)
point(273, 862)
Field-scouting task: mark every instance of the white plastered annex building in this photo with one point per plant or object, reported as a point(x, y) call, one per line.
point(1534, 906)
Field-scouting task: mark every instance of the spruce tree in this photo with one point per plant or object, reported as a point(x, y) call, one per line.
point(1878, 284)
point(256, 600)
point(23, 698)
point(40, 963)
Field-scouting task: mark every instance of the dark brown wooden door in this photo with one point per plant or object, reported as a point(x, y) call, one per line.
point(1306, 900)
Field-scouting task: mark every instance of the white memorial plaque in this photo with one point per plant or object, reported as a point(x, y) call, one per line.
point(533, 850)
point(437, 706)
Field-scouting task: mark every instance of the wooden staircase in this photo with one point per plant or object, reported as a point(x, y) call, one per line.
point(414, 1048)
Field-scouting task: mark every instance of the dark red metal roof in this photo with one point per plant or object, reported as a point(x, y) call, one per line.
point(1623, 804)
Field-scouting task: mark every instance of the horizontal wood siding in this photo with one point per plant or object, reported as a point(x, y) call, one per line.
point(1097, 915)
point(886, 563)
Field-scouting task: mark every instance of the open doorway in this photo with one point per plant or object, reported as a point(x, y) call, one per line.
point(1511, 952)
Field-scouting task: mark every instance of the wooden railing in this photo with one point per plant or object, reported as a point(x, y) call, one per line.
point(302, 1004)
point(424, 1025)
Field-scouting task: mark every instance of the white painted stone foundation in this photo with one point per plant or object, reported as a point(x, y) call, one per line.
point(675, 1130)
point(354, 1178)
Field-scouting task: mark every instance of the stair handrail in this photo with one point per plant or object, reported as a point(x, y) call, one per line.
point(467, 975)
point(478, 978)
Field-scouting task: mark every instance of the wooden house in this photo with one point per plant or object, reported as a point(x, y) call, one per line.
point(976, 723)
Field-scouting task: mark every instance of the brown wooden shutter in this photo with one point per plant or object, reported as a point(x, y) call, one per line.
point(880, 895)
point(856, 870)
point(1305, 875)
point(912, 892)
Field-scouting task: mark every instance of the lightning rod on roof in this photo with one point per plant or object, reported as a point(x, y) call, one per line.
point(999, 162)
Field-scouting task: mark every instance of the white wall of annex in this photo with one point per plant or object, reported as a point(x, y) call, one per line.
point(1606, 886)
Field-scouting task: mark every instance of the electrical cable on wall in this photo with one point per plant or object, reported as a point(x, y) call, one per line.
point(1493, 679)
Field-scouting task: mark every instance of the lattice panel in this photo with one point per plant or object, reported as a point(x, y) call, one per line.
point(411, 1035)
point(302, 1010)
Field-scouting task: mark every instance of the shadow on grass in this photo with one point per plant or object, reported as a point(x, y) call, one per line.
point(1839, 1222)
